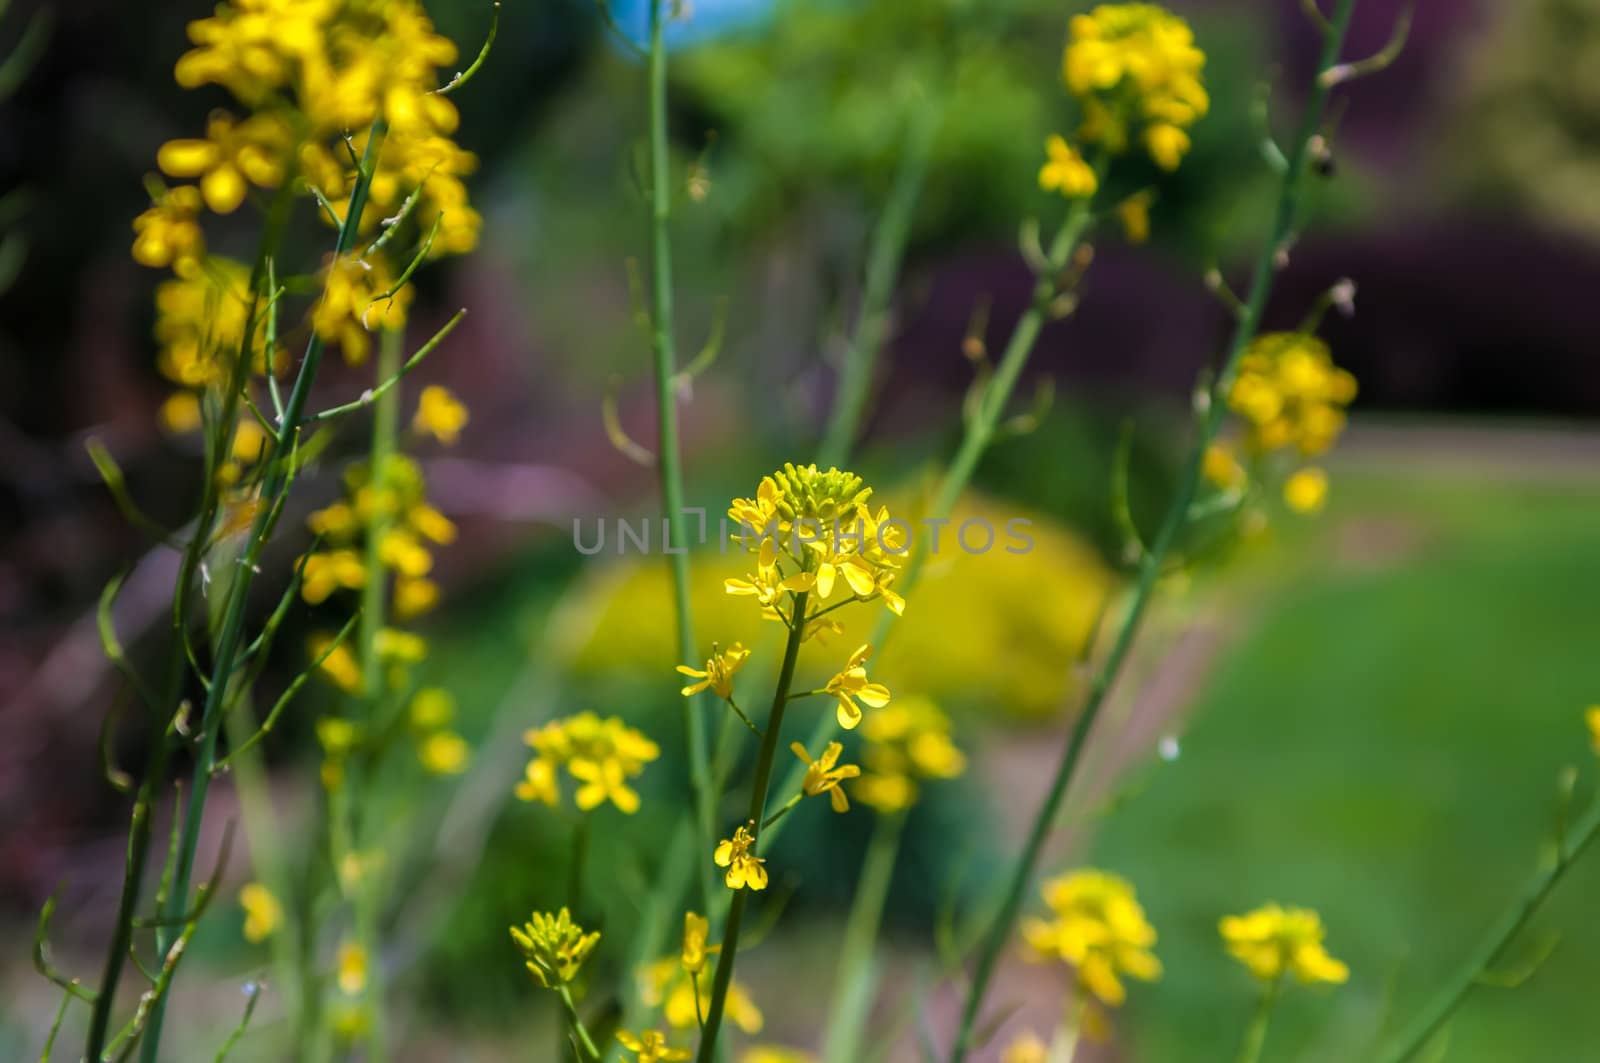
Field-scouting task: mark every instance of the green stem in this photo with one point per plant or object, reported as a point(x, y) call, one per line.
point(580, 855)
point(668, 458)
point(273, 486)
point(857, 973)
point(1150, 570)
point(575, 1024)
point(889, 239)
point(758, 808)
point(160, 745)
point(1255, 1035)
point(1438, 1011)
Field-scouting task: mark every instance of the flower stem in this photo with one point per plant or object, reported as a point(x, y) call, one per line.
point(758, 808)
point(273, 486)
point(580, 1033)
point(580, 855)
point(857, 974)
point(1176, 518)
point(668, 458)
point(1438, 1011)
point(889, 239)
point(1255, 1035)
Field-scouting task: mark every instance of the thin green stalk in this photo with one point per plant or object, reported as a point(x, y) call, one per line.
point(889, 239)
point(1255, 1035)
point(155, 773)
point(580, 1033)
point(1438, 1011)
point(580, 856)
point(857, 973)
point(753, 820)
point(374, 606)
point(273, 486)
point(1154, 559)
point(668, 459)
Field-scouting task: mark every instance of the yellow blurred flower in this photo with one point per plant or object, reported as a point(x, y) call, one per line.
point(358, 295)
point(1306, 490)
point(692, 958)
point(444, 753)
point(744, 866)
point(666, 985)
point(439, 414)
point(1026, 1048)
point(1134, 213)
point(907, 742)
point(775, 1054)
point(169, 234)
point(650, 1046)
point(233, 156)
point(1099, 928)
point(352, 968)
point(262, 912)
point(601, 754)
point(330, 570)
point(1273, 941)
point(1592, 716)
point(1066, 171)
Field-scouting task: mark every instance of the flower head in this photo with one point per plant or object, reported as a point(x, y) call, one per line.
point(744, 866)
point(718, 672)
point(851, 684)
point(440, 414)
point(907, 742)
point(1099, 928)
point(1066, 171)
point(1273, 941)
point(823, 777)
point(650, 1046)
point(600, 754)
point(554, 947)
point(1290, 394)
point(169, 234)
point(351, 966)
point(695, 950)
point(683, 996)
point(262, 912)
point(1306, 490)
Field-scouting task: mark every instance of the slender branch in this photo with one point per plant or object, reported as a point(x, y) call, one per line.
point(273, 486)
point(580, 1033)
point(1255, 1035)
point(391, 380)
point(857, 973)
point(758, 807)
point(1150, 569)
point(889, 239)
point(669, 459)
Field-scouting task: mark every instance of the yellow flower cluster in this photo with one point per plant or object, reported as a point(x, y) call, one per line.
point(601, 755)
point(1099, 928)
point(824, 774)
point(650, 1046)
point(1136, 71)
point(393, 504)
point(681, 985)
point(554, 947)
point(440, 750)
point(262, 912)
point(906, 743)
point(309, 74)
point(813, 533)
point(1292, 399)
point(1273, 941)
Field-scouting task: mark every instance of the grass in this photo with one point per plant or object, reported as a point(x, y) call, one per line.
point(1382, 743)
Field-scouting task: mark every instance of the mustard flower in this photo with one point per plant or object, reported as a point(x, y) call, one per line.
point(682, 996)
point(1221, 468)
point(1290, 394)
point(440, 414)
point(906, 743)
point(1066, 171)
point(717, 675)
point(340, 666)
point(696, 928)
point(851, 684)
point(539, 783)
point(599, 754)
point(323, 573)
point(358, 295)
point(602, 781)
point(1027, 1047)
point(744, 866)
point(351, 968)
point(1135, 67)
point(262, 912)
point(1134, 214)
point(554, 947)
point(1273, 941)
point(443, 753)
point(233, 156)
point(169, 234)
point(823, 777)
point(1592, 717)
point(1099, 928)
point(650, 1046)
point(1306, 490)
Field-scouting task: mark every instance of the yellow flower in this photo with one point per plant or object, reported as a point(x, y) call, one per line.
point(393, 644)
point(169, 234)
point(744, 867)
point(682, 996)
point(1026, 1048)
point(1066, 171)
point(443, 753)
point(650, 1046)
point(906, 742)
point(439, 414)
point(352, 968)
point(602, 781)
point(180, 413)
point(399, 550)
point(414, 596)
point(262, 912)
point(1134, 213)
point(695, 950)
point(1133, 65)
point(851, 683)
point(1099, 928)
point(432, 708)
point(323, 573)
point(1273, 941)
point(431, 524)
point(823, 777)
point(336, 521)
point(1290, 394)
point(232, 157)
point(1306, 490)
point(539, 783)
point(351, 305)
point(340, 666)
point(1221, 468)
point(554, 947)
point(775, 1054)
point(1592, 716)
point(718, 672)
